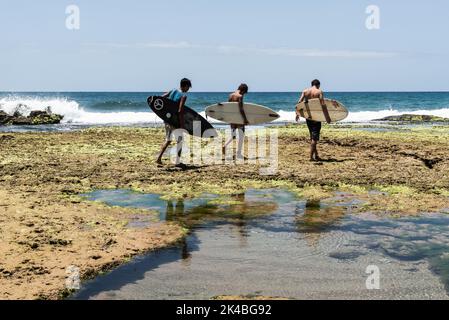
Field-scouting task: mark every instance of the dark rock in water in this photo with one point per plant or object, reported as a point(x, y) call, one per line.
point(20, 121)
point(46, 118)
point(414, 118)
point(35, 118)
point(17, 114)
point(4, 117)
point(34, 114)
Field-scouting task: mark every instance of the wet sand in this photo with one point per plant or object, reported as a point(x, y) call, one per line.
point(45, 226)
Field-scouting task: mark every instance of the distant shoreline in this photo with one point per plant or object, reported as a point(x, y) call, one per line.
point(218, 92)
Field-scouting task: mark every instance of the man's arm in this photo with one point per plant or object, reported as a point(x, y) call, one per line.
point(325, 110)
point(302, 98)
point(242, 111)
point(322, 99)
point(182, 103)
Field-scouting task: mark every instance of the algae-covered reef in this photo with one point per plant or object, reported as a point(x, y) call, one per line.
point(46, 227)
point(414, 118)
point(33, 119)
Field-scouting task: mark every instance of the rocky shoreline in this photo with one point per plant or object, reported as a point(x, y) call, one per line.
point(47, 228)
point(34, 118)
point(414, 118)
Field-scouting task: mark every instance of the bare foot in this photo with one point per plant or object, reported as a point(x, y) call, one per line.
point(241, 157)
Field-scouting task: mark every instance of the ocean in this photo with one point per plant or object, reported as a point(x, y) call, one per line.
point(130, 108)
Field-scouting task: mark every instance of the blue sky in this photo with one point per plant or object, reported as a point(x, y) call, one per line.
point(139, 45)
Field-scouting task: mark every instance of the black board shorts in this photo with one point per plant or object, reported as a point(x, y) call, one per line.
point(314, 129)
point(236, 128)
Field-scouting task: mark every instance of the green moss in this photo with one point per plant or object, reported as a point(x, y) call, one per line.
point(396, 190)
point(415, 118)
point(442, 192)
point(315, 193)
point(225, 201)
point(352, 188)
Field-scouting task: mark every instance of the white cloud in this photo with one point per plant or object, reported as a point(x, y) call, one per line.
point(155, 45)
point(296, 52)
point(237, 50)
point(170, 45)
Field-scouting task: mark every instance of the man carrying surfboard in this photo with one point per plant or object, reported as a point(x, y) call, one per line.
point(238, 96)
point(314, 127)
point(177, 95)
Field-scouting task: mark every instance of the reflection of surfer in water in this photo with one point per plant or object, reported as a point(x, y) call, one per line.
point(173, 212)
point(238, 96)
point(313, 221)
point(241, 223)
point(177, 95)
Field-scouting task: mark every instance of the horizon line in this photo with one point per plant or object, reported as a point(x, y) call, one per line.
point(225, 91)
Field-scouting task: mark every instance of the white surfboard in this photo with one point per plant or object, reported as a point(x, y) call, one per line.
point(332, 111)
point(229, 112)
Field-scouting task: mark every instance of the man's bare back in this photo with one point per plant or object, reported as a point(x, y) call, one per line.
point(235, 96)
point(238, 96)
point(313, 93)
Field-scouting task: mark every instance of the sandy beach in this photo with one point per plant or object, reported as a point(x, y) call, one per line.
point(46, 227)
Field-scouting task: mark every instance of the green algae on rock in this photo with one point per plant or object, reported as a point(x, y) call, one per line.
point(414, 118)
point(33, 119)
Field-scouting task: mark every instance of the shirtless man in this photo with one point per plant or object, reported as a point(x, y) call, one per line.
point(238, 96)
point(314, 127)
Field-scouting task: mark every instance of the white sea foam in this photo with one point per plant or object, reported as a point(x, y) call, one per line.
point(367, 116)
point(75, 114)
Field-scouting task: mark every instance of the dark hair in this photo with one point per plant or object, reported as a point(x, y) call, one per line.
point(186, 83)
point(316, 83)
point(243, 88)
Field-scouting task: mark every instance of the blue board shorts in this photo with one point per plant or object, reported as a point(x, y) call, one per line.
point(314, 129)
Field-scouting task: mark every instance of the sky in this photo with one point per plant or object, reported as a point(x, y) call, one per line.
point(147, 45)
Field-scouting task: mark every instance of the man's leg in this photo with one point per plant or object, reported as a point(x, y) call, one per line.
point(315, 150)
point(230, 140)
point(315, 131)
point(163, 149)
point(241, 142)
point(168, 133)
point(178, 151)
point(317, 139)
point(312, 147)
point(312, 150)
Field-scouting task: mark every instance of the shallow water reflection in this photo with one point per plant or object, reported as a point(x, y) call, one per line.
point(272, 243)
